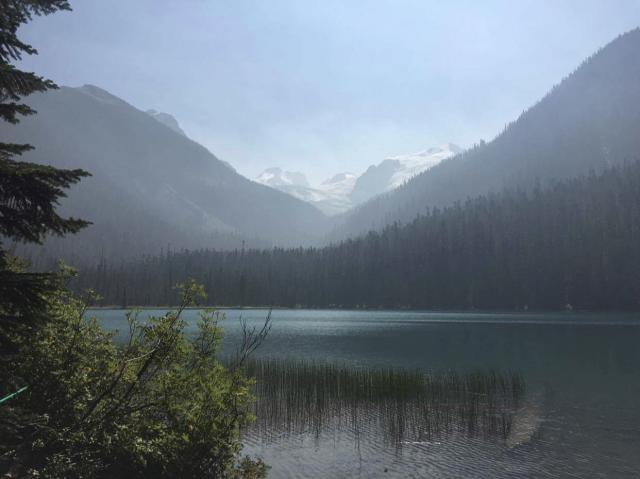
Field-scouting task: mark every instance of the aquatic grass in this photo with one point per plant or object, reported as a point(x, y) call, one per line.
point(318, 398)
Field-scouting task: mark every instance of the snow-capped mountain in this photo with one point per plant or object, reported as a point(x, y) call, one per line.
point(412, 165)
point(277, 177)
point(339, 185)
point(394, 171)
point(330, 197)
point(336, 192)
point(345, 190)
point(291, 182)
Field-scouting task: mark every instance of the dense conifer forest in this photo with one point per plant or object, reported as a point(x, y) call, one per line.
point(572, 244)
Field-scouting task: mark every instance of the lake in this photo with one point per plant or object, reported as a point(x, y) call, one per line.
point(577, 415)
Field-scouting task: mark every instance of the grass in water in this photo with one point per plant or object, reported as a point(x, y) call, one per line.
point(306, 397)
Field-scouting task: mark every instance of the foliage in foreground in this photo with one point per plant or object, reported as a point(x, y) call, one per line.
point(161, 405)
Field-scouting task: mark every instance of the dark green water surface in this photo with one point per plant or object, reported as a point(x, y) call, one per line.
point(579, 416)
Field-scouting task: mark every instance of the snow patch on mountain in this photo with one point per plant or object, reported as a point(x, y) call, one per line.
point(331, 196)
point(412, 165)
point(277, 177)
point(336, 192)
point(394, 171)
point(340, 184)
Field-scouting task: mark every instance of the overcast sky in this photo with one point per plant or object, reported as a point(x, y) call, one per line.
point(326, 86)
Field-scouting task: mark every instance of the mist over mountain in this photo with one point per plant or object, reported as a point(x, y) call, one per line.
point(589, 121)
point(152, 187)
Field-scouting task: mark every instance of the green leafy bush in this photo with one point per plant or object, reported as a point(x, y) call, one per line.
point(159, 405)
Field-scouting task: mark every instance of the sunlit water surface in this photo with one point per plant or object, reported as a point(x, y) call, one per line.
point(579, 416)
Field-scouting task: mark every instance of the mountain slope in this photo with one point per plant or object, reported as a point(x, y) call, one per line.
point(167, 119)
point(395, 171)
point(150, 183)
point(589, 121)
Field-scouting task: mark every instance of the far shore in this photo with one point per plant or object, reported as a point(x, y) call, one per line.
point(399, 309)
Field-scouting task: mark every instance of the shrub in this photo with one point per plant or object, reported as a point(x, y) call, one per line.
point(159, 405)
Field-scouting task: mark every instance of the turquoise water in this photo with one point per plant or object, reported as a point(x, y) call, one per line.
point(580, 416)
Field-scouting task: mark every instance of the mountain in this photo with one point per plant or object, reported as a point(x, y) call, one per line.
point(276, 177)
point(340, 184)
point(587, 122)
point(337, 193)
point(289, 182)
point(395, 171)
point(167, 120)
point(343, 191)
point(152, 187)
point(575, 242)
point(330, 197)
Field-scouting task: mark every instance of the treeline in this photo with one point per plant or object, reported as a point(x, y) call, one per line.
point(574, 243)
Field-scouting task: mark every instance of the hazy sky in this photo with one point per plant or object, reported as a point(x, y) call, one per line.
point(326, 86)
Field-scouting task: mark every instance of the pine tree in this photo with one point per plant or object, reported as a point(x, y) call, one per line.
point(29, 193)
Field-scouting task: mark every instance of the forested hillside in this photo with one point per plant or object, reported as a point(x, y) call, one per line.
point(151, 186)
point(589, 121)
point(576, 242)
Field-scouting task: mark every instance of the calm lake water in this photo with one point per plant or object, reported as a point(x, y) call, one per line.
point(579, 416)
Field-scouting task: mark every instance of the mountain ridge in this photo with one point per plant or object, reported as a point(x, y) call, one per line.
point(343, 191)
point(166, 119)
point(587, 121)
point(169, 180)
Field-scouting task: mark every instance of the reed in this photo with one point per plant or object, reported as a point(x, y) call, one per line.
point(307, 397)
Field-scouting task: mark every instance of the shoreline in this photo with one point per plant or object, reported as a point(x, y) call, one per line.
point(407, 310)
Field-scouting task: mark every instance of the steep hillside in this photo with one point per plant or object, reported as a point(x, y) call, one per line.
point(151, 185)
point(589, 121)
